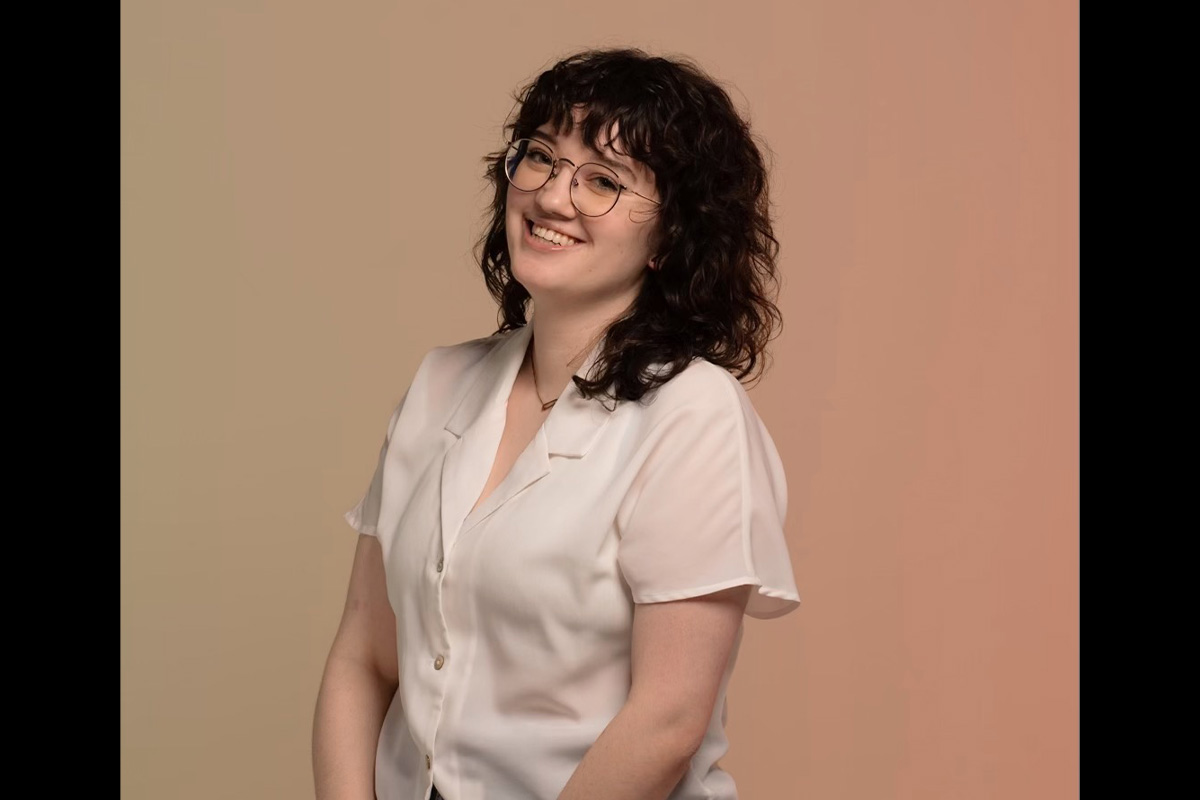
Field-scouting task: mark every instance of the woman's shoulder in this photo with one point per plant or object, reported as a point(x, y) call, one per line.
point(699, 399)
point(443, 373)
point(700, 385)
point(450, 361)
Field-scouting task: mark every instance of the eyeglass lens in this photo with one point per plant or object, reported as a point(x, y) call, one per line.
point(594, 188)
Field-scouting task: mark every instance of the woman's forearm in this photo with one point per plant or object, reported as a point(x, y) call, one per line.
point(351, 705)
point(636, 757)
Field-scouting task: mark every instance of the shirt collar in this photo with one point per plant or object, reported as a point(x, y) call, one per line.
point(573, 423)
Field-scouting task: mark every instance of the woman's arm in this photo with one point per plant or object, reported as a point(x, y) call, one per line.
point(359, 682)
point(680, 650)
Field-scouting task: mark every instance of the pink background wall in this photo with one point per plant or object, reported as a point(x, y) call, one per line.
point(300, 190)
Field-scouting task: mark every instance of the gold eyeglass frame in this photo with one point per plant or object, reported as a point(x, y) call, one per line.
point(554, 172)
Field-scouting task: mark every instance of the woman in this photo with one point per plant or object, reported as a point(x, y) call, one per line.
point(569, 518)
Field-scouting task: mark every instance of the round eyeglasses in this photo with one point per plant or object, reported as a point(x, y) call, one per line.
point(595, 189)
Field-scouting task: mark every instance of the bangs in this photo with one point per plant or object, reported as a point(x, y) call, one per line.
point(606, 98)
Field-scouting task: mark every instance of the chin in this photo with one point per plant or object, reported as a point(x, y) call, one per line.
point(535, 277)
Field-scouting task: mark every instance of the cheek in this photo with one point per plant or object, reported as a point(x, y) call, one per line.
point(514, 204)
point(514, 219)
point(636, 238)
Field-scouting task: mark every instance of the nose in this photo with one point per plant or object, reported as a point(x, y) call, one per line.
point(555, 194)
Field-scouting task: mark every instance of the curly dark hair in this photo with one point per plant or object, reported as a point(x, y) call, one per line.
point(711, 295)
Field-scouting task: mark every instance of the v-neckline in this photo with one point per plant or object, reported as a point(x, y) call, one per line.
point(482, 499)
point(479, 422)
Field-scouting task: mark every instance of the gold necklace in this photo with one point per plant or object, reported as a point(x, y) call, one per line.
point(533, 366)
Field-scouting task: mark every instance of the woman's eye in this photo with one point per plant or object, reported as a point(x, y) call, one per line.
point(604, 184)
point(540, 157)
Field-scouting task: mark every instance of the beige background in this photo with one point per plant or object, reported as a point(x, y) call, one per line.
point(300, 190)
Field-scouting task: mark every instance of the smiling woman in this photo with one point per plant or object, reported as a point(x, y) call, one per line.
point(570, 518)
point(703, 219)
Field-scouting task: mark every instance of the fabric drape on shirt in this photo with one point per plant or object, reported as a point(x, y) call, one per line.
point(514, 620)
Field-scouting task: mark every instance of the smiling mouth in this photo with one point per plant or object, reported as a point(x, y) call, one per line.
point(548, 236)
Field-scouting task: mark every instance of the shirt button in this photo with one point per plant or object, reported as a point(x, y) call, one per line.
point(440, 561)
point(427, 762)
point(437, 662)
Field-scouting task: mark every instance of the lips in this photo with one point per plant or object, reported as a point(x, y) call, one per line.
point(550, 237)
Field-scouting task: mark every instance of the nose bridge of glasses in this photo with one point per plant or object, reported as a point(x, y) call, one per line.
point(554, 170)
point(590, 201)
point(553, 197)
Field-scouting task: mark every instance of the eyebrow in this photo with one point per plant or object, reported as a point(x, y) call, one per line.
point(603, 159)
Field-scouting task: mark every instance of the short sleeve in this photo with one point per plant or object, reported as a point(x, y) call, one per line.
point(364, 517)
point(706, 508)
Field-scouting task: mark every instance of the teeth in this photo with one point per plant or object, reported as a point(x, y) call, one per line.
point(553, 236)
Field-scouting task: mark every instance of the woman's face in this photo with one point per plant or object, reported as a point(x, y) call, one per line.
point(605, 260)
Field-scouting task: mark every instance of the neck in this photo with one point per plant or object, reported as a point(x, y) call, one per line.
point(561, 343)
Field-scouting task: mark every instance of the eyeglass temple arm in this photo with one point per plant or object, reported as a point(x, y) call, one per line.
point(631, 191)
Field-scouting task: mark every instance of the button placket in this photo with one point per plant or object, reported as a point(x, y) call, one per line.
point(436, 585)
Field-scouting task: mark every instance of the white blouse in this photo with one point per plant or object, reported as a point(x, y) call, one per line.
point(514, 622)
